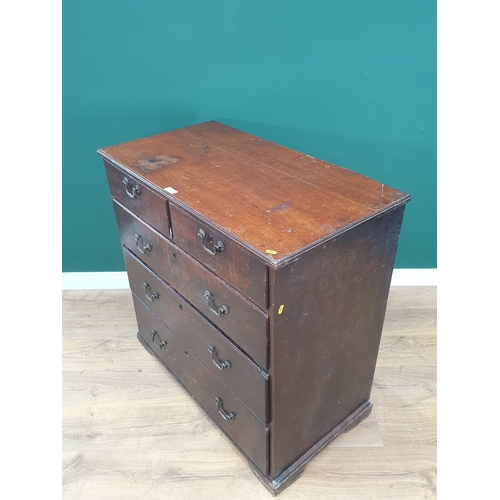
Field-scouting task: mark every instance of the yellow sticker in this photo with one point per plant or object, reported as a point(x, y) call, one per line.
point(280, 310)
point(271, 252)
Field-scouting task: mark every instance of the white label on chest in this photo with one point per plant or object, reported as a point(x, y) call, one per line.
point(170, 190)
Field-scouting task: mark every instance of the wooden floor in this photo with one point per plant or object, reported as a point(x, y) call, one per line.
point(131, 432)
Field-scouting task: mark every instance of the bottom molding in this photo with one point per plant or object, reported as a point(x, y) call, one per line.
point(292, 473)
point(288, 476)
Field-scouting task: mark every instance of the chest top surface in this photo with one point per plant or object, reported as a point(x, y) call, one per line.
point(266, 196)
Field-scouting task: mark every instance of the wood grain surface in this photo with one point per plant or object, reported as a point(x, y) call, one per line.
point(244, 322)
point(323, 347)
point(131, 432)
point(242, 377)
point(266, 196)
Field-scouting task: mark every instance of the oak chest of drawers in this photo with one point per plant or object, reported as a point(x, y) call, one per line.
point(260, 279)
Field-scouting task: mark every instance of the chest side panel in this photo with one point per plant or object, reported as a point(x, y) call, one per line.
point(324, 344)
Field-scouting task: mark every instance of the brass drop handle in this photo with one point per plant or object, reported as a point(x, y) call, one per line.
point(216, 361)
point(219, 247)
point(146, 247)
point(135, 190)
point(161, 344)
point(151, 297)
point(223, 413)
point(211, 305)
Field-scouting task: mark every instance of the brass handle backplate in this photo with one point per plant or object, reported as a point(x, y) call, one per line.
point(151, 297)
point(223, 413)
point(218, 311)
point(146, 247)
point(133, 190)
point(162, 342)
point(216, 361)
point(208, 244)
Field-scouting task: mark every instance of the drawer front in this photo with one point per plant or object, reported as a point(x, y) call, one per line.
point(239, 319)
point(238, 373)
point(238, 423)
point(140, 200)
point(224, 257)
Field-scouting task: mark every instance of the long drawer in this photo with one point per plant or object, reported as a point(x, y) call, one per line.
point(238, 423)
point(238, 318)
point(218, 354)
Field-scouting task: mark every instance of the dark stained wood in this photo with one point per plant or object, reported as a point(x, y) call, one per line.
point(303, 167)
point(325, 342)
point(301, 285)
point(151, 207)
point(244, 429)
point(263, 195)
point(292, 473)
point(136, 427)
point(244, 323)
point(242, 377)
point(234, 264)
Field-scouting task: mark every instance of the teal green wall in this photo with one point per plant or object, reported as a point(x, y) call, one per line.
point(352, 82)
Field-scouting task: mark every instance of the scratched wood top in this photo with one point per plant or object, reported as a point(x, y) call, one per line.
point(264, 195)
point(129, 431)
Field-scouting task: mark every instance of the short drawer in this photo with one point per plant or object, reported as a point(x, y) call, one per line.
point(238, 318)
point(219, 355)
point(224, 257)
point(140, 200)
point(238, 423)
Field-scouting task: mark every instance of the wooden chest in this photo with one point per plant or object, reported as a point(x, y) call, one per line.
point(260, 278)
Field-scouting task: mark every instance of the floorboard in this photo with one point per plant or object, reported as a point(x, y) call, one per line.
point(130, 432)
